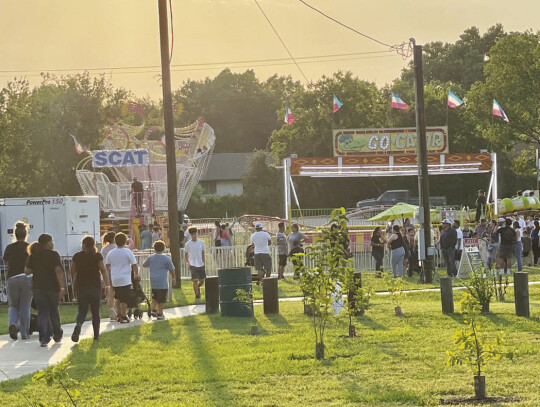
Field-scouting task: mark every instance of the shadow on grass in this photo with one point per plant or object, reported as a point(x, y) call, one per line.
point(278, 320)
point(497, 319)
point(370, 323)
point(161, 332)
point(214, 385)
point(230, 323)
point(388, 396)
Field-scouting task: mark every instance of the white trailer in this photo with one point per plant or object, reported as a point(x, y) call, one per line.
point(66, 218)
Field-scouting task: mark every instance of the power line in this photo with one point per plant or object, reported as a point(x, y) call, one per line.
point(283, 43)
point(404, 49)
point(219, 67)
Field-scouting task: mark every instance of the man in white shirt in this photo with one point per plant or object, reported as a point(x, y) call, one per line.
point(263, 262)
point(194, 255)
point(459, 244)
point(520, 220)
point(120, 264)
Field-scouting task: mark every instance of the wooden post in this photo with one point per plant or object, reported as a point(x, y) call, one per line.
point(521, 294)
point(270, 295)
point(357, 285)
point(447, 295)
point(211, 295)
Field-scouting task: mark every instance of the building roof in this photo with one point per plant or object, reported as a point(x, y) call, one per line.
point(227, 166)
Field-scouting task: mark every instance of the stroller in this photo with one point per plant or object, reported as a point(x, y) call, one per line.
point(136, 297)
point(250, 255)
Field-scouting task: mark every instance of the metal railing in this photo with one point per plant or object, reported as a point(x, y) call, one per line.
point(215, 258)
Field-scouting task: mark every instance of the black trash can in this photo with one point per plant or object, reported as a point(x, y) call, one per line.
point(231, 279)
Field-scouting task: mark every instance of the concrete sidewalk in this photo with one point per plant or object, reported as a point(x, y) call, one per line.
point(22, 357)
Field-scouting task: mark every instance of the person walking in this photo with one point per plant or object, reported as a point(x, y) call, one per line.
point(377, 249)
point(518, 245)
point(217, 234)
point(47, 272)
point(146, 237)
point(459, 243)
point(296, 235)
point(263, 262)
point(160, 265)
point(535, 237)
point(194, 254)
point(121, 263)
point(448, 247)
point(395, 242)
point(18, 283)
point(108, 244)
point(137, 191)
point(507, 239)
point(86, 267)
point(281, 243)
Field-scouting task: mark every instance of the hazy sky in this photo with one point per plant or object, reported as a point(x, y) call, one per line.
point(43, 35)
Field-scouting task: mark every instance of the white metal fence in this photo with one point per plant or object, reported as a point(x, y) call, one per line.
point(215, 258)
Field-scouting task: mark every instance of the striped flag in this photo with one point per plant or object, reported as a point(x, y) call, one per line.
point(397, 103)
point(453, 100)
point(337, 104)
point(289, 118)
point(79, 148)
point(498, 111)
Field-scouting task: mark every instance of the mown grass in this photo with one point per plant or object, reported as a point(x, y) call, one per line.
point(208, 360)
point(287, 288)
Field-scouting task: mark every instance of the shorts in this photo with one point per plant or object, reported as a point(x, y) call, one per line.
point(122, 293)
point(197, 273)
point(505, 251)
point(159, 295)
point(263, 261)
point(282, 260)
point(458, 255)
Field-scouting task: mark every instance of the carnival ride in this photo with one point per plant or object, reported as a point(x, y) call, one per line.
point(194, 146)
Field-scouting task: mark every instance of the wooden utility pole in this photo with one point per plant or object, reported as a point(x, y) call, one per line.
point(170, 146)
point(423, 175)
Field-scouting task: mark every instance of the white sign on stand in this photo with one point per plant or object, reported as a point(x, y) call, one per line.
point(470, 260)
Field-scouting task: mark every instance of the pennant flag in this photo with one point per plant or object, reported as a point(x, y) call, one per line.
point(453, 100)
point(497, 111)
point(162, 141)
point(289, 118)
point(397, 103)
point(79, 148)
point(337, 104)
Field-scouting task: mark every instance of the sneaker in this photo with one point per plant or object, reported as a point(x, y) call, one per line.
point(129, 314)
point(123, 319)
point(76, 333)
point(43, 345)
point(13, 331)
point(57, 340)
point(96, 338)
point(154, 313)
point(161, 317)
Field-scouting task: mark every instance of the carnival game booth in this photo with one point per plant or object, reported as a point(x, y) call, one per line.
point(130, 152)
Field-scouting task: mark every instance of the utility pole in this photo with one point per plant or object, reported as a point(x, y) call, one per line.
point(423, 175)
point(170, 146)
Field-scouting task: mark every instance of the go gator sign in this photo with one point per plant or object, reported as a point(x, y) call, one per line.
point(361, 142)
point(119, 158)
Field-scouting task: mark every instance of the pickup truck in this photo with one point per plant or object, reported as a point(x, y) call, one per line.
point(399, 195)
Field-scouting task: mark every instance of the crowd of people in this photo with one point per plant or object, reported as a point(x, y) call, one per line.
point(503, 239)
point(36, 278)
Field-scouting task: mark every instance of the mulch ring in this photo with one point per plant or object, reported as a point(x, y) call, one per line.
point(473, 400)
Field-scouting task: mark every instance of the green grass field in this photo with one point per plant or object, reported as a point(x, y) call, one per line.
point(287, 288)
point(208, 360)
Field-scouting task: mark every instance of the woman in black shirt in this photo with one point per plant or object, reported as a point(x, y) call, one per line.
point(377, 248)
point(48, 286)
point(86, 267)
point(19, 284)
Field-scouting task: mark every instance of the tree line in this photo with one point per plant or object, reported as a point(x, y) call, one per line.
point(38, 158)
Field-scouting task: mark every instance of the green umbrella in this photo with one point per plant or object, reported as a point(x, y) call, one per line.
point(398, 211)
